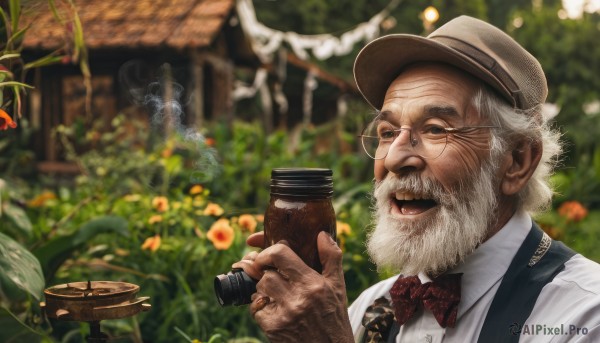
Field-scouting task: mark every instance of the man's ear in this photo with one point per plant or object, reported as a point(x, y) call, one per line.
point(519, 165)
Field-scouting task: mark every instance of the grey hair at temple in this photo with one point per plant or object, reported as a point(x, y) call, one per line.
point(516, 124)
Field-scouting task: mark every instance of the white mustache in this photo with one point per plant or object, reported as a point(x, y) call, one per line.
point(412, 183)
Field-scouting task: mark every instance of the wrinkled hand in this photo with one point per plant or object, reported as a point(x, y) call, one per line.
point(293, 302)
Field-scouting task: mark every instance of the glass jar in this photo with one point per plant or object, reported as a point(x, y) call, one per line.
point(300, 207)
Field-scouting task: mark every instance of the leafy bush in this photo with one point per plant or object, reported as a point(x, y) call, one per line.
point(170, 214)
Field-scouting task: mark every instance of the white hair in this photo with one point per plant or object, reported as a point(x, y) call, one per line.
point(514, 126)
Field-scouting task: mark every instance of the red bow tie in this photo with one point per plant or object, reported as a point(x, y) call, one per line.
point(441, 297)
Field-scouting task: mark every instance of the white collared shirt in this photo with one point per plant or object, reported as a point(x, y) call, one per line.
point(567, 309)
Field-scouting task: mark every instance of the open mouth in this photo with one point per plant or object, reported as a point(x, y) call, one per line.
point(412, 204)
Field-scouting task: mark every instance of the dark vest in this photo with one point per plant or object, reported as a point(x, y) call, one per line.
point(537, 262)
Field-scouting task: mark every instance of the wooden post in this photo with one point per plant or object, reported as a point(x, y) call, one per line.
point(222, 86)
point(167, 82)
point(310, 84)
point(197, 90)
point(267, 106)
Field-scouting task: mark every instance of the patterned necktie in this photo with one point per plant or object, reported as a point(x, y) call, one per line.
point(441, 297)
point(378, 320)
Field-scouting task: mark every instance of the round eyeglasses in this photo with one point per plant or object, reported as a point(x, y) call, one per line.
point(427, 140)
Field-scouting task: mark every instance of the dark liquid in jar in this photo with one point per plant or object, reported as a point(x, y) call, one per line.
point(298, 219)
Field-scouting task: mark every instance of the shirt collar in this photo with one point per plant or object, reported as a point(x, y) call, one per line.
point(489, 262)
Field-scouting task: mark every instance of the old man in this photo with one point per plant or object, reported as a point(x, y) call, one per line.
point(462, 158)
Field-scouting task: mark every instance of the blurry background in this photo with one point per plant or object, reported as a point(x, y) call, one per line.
point(143, 151)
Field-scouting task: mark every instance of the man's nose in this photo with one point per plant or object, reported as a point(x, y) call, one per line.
point(401, 157)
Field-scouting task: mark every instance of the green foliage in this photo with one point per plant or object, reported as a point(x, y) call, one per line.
point(575, 225)
point(15, 158)
point(315, 17)
point(54, 253)
point(14, 330)
point(248, 156)
point(568, 52)
point(499, 10)
point(18, 217)
point(165, 245)
point(454, 8)
point(337, 17)
point(20, 269)
point(13, 68)
point(21, 280)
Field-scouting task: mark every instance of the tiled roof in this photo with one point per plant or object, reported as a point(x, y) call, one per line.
point(176, 24)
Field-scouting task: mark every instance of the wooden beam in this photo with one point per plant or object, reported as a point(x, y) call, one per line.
point(53, 167)
point(321, 74)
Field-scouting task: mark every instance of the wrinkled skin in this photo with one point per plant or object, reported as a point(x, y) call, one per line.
point(302, 305)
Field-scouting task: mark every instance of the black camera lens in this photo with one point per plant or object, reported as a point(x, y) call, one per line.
point(234, 288)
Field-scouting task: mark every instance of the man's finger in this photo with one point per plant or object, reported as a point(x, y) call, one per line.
point(259, 302)
point(273, 284)
point(256, 240)
point(250, 256)
point(284, 259)
point(250, 268)
point(330, 255)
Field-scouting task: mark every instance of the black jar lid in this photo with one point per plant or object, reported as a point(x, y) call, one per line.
point(302, 182)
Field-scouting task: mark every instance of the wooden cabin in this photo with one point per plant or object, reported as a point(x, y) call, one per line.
point(197, 45)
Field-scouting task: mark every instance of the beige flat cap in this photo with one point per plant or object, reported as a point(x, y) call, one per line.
point(464, 42)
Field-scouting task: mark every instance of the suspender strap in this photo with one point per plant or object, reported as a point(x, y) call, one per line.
point(536, 263)
point(393, 332)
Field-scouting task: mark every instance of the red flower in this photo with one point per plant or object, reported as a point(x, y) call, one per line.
point(572, 210)
point(6, 121)
point(209, 141)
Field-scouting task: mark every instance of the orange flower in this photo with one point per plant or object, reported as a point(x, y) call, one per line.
point(152, 243)
point(196, 189)
point(157, 218)
point(260, 217)
point(213, 209)
point(342, 228)
point(572, 210)
point(209, 141)
point(247, 222)
point(221, 234)
point(6, 121)
point(41, 199)
point(161, 204)
point(166, 153)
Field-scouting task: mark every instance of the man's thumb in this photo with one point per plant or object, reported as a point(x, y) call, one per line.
point(330, 255)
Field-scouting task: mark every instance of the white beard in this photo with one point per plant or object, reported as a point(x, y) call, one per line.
point(438, 244)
